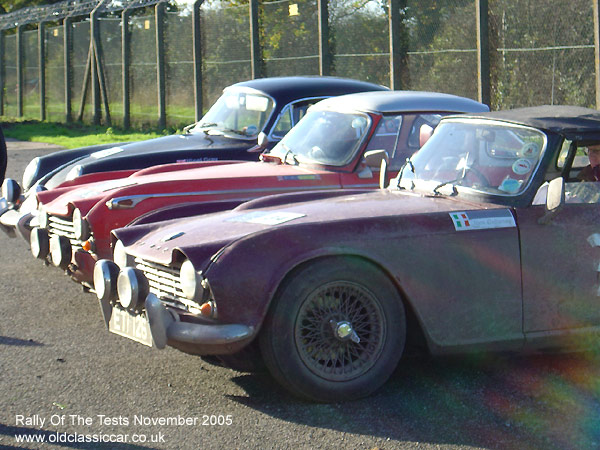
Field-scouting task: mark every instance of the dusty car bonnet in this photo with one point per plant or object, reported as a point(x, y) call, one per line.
point(159, 148)
point(199, 237)
point(240, 176)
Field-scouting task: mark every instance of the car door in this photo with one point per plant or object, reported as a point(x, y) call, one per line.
point(560, 265)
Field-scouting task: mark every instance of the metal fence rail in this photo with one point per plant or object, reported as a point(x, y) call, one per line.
point(158, 62)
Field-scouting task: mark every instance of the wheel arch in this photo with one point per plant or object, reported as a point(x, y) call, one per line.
point(416, 338)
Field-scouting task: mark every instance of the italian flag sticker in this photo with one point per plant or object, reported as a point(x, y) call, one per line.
point(482, 219)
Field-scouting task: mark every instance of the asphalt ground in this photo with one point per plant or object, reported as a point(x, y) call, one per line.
point(65, 379)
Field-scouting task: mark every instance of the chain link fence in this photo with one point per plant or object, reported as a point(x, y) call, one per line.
point(541, 52)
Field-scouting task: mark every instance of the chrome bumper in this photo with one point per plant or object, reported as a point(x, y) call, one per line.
point(197, 338)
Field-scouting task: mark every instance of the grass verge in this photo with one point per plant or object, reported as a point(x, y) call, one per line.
point(73, 135)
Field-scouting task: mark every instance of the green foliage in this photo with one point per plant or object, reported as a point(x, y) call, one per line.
point(71, 135)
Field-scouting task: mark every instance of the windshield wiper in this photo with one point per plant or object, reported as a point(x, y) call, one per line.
point(288, 153)
point(412, 169)
point(441, 185)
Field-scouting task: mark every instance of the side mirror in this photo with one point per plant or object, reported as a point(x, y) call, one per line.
point(384, 178)
point(555, 199)
point(262, 143)
point(373, 158)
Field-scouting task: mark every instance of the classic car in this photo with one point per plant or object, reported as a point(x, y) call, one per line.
point(485, 241)
point(339, 143)
point(228, 131)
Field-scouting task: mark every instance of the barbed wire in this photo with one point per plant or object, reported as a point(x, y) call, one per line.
point(68, 8)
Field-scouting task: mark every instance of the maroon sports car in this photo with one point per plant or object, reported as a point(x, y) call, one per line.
point(486, 240)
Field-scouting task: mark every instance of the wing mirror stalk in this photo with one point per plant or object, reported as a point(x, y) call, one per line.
point(261, 145)
point(555, 199)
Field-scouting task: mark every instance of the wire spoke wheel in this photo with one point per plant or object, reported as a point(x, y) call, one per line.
point(339, 331)
point(335, 330)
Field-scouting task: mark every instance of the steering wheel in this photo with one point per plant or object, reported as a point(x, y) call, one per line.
point(480, 176)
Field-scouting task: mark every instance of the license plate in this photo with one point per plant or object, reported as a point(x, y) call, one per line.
point(131, 326)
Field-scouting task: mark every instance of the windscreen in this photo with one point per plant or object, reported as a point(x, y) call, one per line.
point(324, 137)
point(491, 157)
point(237, 113)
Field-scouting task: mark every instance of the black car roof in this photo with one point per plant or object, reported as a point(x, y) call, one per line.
point(573, 122)
point(308, 86)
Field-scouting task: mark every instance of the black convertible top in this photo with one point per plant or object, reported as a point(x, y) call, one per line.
point(573, 122)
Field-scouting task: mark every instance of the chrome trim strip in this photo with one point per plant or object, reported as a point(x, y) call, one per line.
point(135, 199)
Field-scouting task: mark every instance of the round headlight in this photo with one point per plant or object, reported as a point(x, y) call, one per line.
point(60, 251)
point(190, 280)
point(120, 256)
point(80, 226)
point(31, 173)
point(40, 243)
point(11, 191)
point(132, 287)
point(43, 219)
point(105, 279)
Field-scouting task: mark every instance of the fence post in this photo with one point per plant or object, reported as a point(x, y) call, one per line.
point(197, 32)
point(325, 58)
point(42, 68)
point(94, 39)
point(125, 62)
point(596, 4)
point(483, 52)
point(159, 18)
point(68, 66)
point(399, 74)
point(19, 51)
point(255, 49)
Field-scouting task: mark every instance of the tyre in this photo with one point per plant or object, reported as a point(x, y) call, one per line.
point(335, 330)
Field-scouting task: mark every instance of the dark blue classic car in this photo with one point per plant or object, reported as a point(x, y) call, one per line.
point(228, 131)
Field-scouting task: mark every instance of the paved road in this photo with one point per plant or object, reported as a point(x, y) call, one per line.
point(63, 377)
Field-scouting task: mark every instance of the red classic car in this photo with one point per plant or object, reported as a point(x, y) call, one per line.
point(486, 240)
point(228, 131)
point(339, 143)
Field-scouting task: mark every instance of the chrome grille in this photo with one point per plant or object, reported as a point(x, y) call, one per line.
point(164, 283)
point(63, 227)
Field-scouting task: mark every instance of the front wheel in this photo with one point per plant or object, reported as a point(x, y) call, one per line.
point(335, 330)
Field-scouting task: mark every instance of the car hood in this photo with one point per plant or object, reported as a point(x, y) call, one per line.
point(234, 178)
point(175, 148)
point(200, 238)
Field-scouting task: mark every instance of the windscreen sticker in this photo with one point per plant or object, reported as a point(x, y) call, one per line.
point(267, 218)
point(482, 220)
point(522, 166)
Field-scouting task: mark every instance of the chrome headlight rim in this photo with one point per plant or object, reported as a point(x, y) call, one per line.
point(81, 227)
point(120, 256)
point(11, 191)
point(31, 173)
point(132, 288)
point(43, 218)
point(191, 281)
